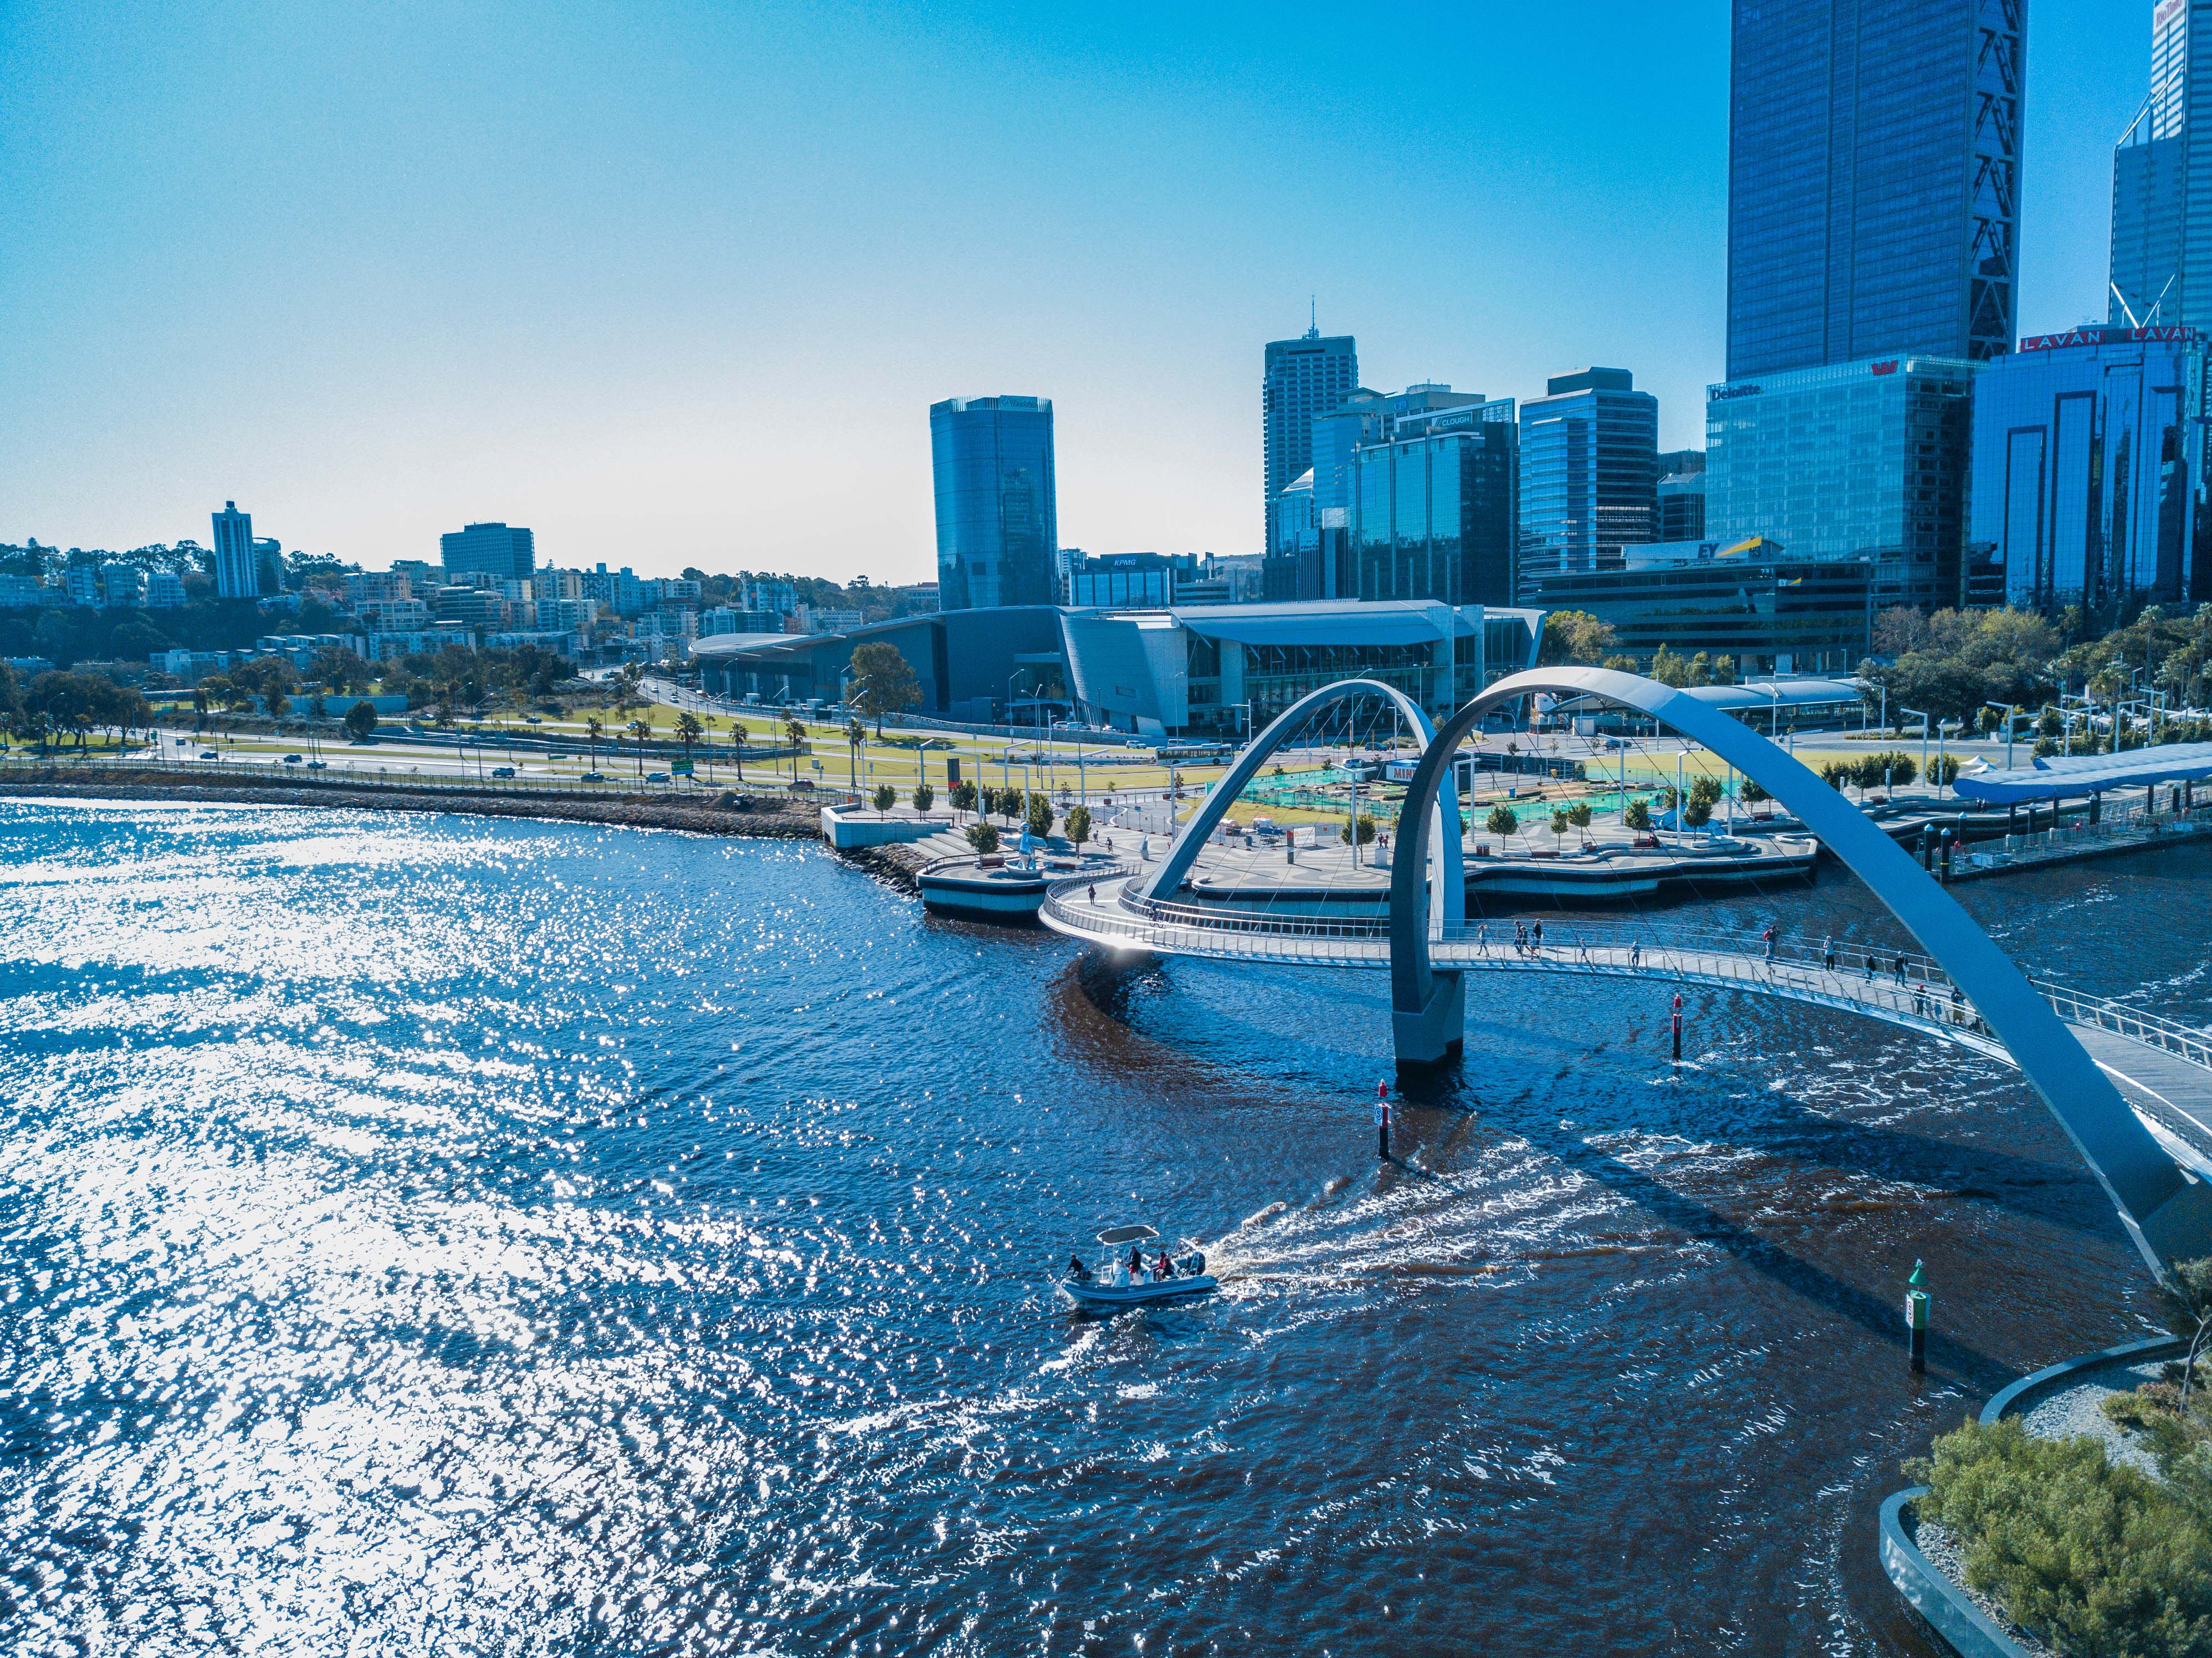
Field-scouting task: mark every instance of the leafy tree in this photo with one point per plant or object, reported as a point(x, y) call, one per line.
point(1638, 815)
point(1079, 826)
point(983, 836)
point(1704, 794)
point(888, 683)
point(924, 796)
point(1576, 637)
point(1502, 821)
point(1039, 815)
point(1579, 815)
point(1669, 668)
point(361, 721)
point(1363, 830)
point(885, 796)
point(1560, 825)
point(1754, 792)
point(963, 796)
point(1944, 770)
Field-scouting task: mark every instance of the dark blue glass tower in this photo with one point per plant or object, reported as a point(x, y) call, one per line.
point(1874, 169)
point(998, 527)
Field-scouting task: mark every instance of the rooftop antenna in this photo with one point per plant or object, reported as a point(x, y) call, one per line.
point(1313, 317)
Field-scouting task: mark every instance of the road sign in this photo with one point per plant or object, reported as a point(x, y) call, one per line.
point(680, 768)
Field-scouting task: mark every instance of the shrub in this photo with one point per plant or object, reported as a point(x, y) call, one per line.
point(984, 837)
point(1752, 792)
point(924, 796)
point(1943, 770)
point(2092, 1555)
point(885, 796)
point(361, 721)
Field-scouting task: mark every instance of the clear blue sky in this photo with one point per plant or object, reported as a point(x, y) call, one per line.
point(676, 284)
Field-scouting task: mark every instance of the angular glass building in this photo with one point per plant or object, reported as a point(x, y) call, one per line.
point(2088, 471)
point(1862, 460)
point(1432, 510)
point(1873, 167)
point(2162, 233)
point(1302, 378)
point(997, 526)
point(1590, 472)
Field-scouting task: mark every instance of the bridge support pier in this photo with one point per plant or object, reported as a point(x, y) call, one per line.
point(1438, 1031)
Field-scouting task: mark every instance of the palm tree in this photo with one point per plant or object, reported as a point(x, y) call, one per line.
point(594, 730)
point(641, 729)
point(856, 734)
point(794, 732)
point(688, 731)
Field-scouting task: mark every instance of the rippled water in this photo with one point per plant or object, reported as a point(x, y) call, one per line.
point(435, 1234)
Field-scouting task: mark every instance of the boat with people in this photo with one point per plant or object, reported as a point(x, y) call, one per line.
point(1129, 1275)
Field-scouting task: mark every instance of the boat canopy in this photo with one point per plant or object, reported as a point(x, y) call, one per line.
point(1114, 1234)
point(2135, 768)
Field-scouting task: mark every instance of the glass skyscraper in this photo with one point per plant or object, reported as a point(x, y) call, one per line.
point(1302, 378)
point(998, 527)
point(1861, 461)
point(1873, 167)
point(1589, 470)
point(1432, 508)
point(2162, 227)
point(2088, 471)
point(507, 551)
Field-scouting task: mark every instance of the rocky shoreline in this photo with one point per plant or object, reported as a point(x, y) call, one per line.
point(700, 813)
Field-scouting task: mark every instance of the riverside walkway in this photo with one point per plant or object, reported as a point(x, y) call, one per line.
point(2163, 1067)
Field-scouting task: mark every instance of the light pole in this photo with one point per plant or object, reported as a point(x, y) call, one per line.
point(2012, 716)
point(1017, 674)
point(1922, 717)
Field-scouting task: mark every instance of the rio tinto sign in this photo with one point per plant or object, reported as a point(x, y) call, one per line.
point(2115, 336)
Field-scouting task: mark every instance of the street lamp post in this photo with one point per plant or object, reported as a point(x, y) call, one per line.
point(1923, 719)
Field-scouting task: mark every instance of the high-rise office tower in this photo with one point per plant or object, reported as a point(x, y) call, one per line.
point(1432, 513)
point(997, 525)
point(1590, 472)
point(237, 571)
point(1308, 376)
point(507, 552)
point(1874, 172)
point(2162, 248)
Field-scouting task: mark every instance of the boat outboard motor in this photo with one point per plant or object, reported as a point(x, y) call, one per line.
point(1193, 1264)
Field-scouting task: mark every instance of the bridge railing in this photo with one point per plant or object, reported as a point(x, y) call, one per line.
point(1909, 984)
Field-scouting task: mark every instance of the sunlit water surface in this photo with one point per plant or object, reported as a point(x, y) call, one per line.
point(427, 1235)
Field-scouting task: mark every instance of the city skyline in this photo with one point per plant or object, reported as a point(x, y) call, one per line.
point(626, 387)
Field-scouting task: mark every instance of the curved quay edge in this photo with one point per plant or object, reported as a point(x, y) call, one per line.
point(1947, 1609)
point(2167, 1215)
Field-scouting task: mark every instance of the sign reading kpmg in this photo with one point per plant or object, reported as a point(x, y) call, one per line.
point(2114, 335)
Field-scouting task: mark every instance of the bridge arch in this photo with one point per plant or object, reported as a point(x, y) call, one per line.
point(1447, 887)
point(2168, 1216)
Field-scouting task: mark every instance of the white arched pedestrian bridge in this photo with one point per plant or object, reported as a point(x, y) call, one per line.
point(2151, 1151)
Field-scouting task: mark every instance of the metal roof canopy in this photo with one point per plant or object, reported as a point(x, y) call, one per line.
point(2179, 751)
point(2120, 771)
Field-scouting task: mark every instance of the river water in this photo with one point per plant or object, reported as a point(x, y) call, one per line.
point(436, 1235)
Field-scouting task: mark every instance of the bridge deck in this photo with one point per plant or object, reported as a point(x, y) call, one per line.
point(2164, 1068)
